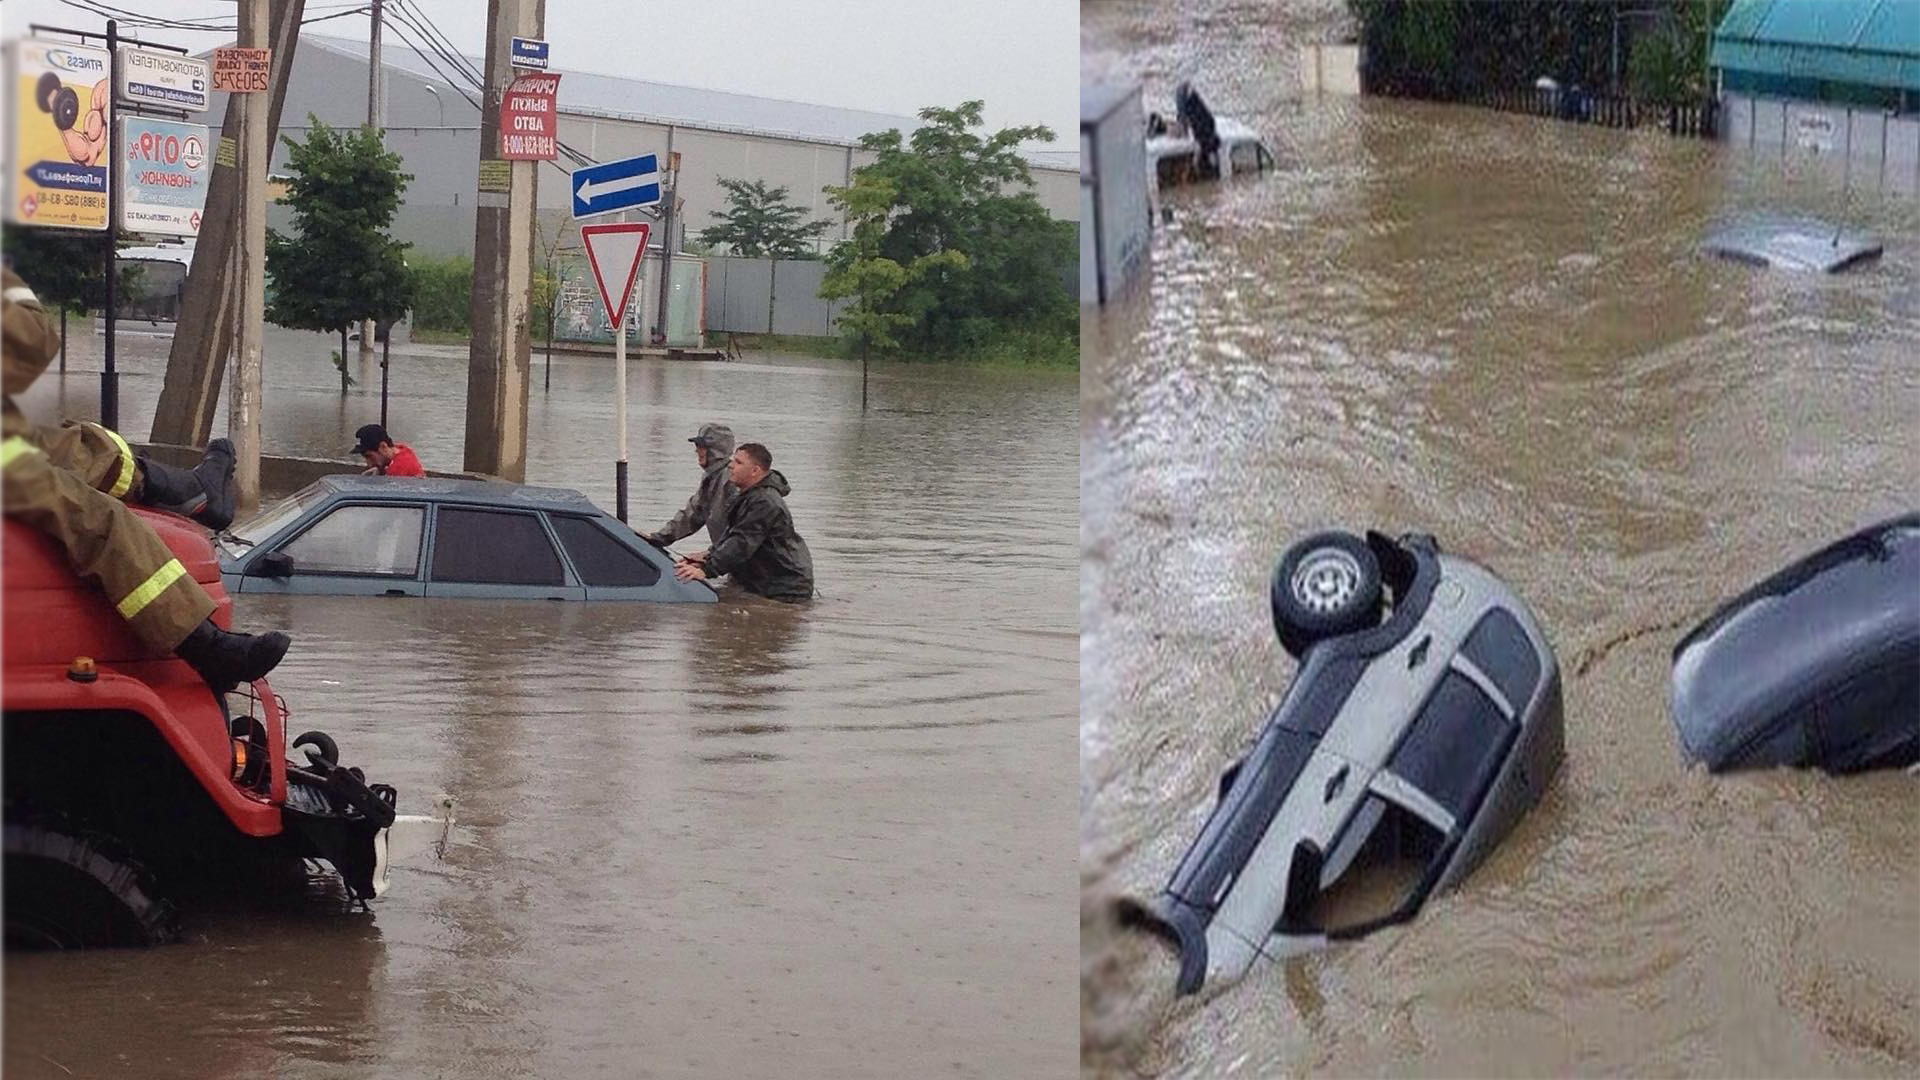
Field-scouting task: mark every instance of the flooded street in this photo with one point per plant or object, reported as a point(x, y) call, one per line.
point(1495, 329)
point(740, 839)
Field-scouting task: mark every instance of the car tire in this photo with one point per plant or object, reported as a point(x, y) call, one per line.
point(67, 888)
point(1326, 585)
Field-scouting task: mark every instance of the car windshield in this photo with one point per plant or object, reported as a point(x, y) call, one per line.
point(238, 539)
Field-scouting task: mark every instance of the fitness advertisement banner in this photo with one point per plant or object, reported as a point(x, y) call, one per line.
point(58, 167)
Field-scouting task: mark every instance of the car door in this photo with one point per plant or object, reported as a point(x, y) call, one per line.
point(613, 567)
point(351, 549)
point(485, 552)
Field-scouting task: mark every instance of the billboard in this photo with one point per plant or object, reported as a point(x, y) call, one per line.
point(168, 167)
point(530, 119)
point(62, 104)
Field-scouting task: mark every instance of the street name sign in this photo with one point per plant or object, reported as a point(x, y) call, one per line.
point(529, 53)
point(616, 185)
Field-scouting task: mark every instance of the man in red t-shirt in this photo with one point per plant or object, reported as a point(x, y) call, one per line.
point(384, 456)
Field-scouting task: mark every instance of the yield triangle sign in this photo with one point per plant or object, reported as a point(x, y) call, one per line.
point(614, 251)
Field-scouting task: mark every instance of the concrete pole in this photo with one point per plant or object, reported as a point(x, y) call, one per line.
point(377, 119)
point(499, 359)
point(243, 412)
point(198, 359)
point(666, 246)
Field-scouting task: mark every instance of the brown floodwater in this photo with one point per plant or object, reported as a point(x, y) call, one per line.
point(719, 840)
point(1495, 329)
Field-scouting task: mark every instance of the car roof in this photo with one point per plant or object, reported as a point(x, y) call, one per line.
point(449, 490)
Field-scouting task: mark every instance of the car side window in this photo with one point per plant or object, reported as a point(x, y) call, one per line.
point(381, 540)
point(493, 547)
point(599, 557)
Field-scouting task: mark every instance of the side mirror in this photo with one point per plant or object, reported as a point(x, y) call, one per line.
point(274, 564)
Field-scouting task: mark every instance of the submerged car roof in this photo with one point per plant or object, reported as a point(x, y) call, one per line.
point(1791, 244)
point(449, 490)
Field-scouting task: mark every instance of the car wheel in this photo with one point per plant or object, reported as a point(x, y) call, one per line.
point(1326, 585)
point(71, 889)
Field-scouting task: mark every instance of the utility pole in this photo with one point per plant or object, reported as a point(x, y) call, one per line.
point(197, 361)
point(376, 119)
point(499, 360)
point(243, 412)
point(666, 244)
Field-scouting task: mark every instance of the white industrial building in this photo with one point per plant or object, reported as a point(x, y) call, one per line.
point(434, 126)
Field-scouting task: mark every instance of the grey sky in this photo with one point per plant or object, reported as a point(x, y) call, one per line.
point(1021, 56)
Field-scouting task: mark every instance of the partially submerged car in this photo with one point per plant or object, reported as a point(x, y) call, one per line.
point(1175, 145)
point(131, 784)
point(1818, 665)
point(425, 536)
point(1783, 243)
point(1177, 160)
point(1405, 749)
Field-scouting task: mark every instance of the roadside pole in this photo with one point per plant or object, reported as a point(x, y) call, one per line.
point(499, 356)
point(110, 378)
point(666, 245)
point(614, 252)
point(243, 413)
point(619, 399)
point(377, 120)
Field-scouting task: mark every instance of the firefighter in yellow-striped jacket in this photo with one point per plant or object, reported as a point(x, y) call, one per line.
point(73, 483)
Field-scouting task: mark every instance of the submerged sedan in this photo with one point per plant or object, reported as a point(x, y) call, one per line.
point(394, 536)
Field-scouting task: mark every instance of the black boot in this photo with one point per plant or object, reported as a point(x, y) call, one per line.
point(204, 493)
point(226, 659)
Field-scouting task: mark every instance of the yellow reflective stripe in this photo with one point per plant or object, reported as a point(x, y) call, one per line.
point(120, 486)
point(136, 601)
point(13, 449)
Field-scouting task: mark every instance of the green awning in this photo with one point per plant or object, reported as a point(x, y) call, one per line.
point(1862, 42)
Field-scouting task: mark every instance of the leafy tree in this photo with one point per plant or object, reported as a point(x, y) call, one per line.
point(949, 245)
point(759, 221)
point(62, 266)
point(1657, 70)
point(339, 266)
point(550, 273)
point(1449, 49)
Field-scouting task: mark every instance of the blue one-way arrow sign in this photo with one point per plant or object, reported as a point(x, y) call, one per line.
point(616, 185)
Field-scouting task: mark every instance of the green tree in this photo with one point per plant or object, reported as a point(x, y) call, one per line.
point(339, 265)
point(949, 245)
point(1658, 69)
point(63, 267)
point(759, 221)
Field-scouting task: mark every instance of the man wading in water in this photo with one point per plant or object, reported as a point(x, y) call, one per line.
point(760, 549)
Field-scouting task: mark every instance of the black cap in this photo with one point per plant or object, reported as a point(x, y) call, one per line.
point(370, 436)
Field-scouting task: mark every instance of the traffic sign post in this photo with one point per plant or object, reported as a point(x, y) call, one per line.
point(614, 251)
point(616, 185)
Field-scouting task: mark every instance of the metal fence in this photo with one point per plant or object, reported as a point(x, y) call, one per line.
point(1871, 146)
point(768, 296)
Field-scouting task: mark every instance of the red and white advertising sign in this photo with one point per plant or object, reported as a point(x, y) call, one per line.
point(530, 118)
point(614, 251)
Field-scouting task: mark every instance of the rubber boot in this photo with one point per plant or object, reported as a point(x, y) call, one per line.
point(227, 659)
point(204, 493)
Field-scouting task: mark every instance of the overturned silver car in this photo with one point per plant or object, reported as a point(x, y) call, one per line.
point(1404, 751)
